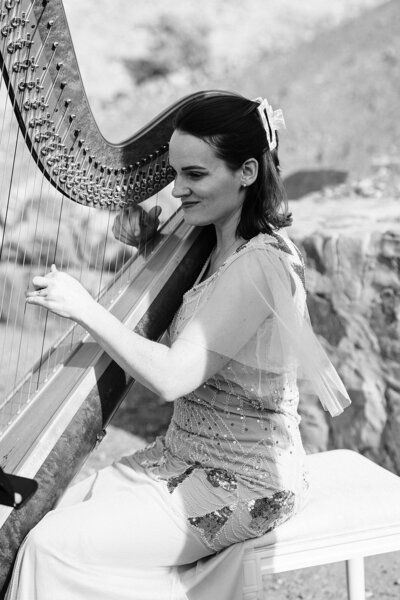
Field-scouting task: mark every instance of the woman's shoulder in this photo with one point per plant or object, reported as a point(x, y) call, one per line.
point(270, 242)
point(273, 252)
point(253, 258)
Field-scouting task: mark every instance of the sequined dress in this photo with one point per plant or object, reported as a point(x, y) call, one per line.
point(233, 451)
point(229, 468)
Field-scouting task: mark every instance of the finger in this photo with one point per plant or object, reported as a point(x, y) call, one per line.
point(135, 231)
point(154, 212)
point(118, 230)
point(37, 300)
point(134, 210)
point(121, 216)
point(42, 292)
point(124, 238)
point(40, 281)
point(116, 225)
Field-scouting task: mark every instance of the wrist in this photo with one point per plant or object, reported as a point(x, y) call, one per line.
point(87, 312)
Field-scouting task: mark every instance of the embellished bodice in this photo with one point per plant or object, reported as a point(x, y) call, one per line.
point(236, 437)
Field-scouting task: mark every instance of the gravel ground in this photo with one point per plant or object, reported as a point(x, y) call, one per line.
point(140, 422)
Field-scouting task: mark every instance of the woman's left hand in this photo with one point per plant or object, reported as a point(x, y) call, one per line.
point(61, 294)
point(134, 225)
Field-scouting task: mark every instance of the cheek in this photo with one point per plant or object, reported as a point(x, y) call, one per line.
point(222, 192)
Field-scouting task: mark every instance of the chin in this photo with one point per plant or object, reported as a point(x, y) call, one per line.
point(195, 220)
point(192, 217)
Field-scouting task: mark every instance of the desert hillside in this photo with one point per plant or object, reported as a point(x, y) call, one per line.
point(332, 66)
point(340, 93)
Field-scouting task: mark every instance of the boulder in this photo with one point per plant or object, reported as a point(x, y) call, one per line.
point(304, 182)
point(350, 239)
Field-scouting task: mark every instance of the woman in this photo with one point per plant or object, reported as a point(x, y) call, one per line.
point(231, 464)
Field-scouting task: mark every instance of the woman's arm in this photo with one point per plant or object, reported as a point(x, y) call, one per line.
point(214, 335)
point(169, 372)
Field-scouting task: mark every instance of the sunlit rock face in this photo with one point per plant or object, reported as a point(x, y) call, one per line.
point(350, 238)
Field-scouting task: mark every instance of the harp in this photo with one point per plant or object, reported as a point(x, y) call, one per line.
point(60, 183)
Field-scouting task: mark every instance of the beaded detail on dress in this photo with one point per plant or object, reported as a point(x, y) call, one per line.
point(267, 513)
point(232, 456)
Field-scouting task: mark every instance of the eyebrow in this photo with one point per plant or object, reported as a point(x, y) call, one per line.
point(191, 167)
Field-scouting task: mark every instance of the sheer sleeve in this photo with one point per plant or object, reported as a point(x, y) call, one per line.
point(255, 313)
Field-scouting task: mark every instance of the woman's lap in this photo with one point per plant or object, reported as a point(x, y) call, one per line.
point(126, 519)
point(113, 536)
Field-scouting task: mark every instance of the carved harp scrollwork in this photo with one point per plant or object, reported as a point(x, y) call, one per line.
point(57, 388)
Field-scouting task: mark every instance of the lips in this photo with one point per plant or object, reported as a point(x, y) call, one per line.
point(188, 204)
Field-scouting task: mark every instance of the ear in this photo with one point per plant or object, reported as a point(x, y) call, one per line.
point(249, 172)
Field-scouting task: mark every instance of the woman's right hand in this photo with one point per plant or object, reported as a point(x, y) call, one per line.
point(134, 225)
point(61, 294)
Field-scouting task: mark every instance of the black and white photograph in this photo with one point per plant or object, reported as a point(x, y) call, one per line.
point(199, 300)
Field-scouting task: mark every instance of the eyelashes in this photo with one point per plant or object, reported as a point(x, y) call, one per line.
point(193, 175)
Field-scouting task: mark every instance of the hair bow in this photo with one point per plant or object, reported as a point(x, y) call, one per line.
point(272, 120)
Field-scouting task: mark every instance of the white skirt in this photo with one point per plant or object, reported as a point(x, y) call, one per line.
point(114, 536)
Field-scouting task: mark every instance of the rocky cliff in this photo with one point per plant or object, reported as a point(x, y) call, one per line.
point(350, 237)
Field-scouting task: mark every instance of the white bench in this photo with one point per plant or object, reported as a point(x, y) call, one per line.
point(353, 511)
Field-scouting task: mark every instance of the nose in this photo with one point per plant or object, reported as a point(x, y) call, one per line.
point(179, 190)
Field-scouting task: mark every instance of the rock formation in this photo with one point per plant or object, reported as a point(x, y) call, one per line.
point(350, 237)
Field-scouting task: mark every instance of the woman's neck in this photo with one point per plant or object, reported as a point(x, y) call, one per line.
point(226, 234)
point(227, 243)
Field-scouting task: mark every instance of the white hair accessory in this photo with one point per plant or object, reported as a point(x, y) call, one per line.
point(271, 119)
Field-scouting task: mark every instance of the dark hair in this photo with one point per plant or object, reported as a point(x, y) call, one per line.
point(232, 125)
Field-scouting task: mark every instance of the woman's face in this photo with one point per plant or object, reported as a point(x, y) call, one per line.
point(209, 191)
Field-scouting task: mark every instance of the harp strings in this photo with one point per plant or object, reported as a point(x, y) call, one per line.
point(20, 198)
point(10, 342)
point(46, 208)
point(40, 227)
point(7, 209)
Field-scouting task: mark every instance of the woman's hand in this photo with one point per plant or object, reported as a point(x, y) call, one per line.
point(134, 225)
point(61, 294)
